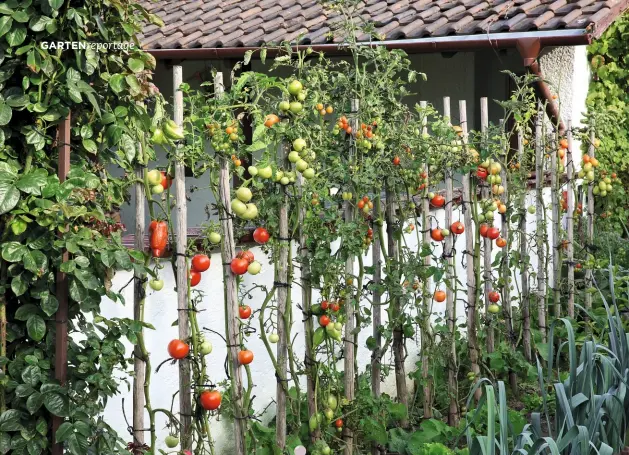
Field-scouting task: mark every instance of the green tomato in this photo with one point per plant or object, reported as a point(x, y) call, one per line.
point(244, 194)
point(205, 348)
point(301, 96)
point(266, 172)
point(156, 285)
point(154, 177)
point(589, 175)
point(301, 165)
point(295, 87)
point(214, 237)
point(332, 402)
point(299, 144)
point(489, 216)
point(338, 326)
point(250, 213)
point(329, 413)
point(274, 338)
point(279, 175)
point(284, 106)
point(293, 157)
point(171, 441)
point(157, 189)
point(296, 107)
point(581, 174)
point(326, 450)
point(285, 180)
point(531, 209)
point(253, 171)
point(445, 232)
point(309, 173)
point(238, 207)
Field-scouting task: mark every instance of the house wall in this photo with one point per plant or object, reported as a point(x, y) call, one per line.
point(462, 76)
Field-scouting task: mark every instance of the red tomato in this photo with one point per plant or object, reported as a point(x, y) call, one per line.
point(177, 349)
point(324, 320)
point(396, 161)
point(501, 243)
point(247, 255)
point(325, 305)
point(152, 226)
point(335, 307)
point(200, 262)
point(438, 201)
point(338, 423)
point(493, 233)
point(166, 180)
point(483, 230)
point(457, 228)
point(494, 297)
point(245, 357)
point(261, 235)
point(244, 312)
point(210, 400)
point(239, 266)
point(436, 235)
point(481, 173)
point(360, 204)
point(195, 277)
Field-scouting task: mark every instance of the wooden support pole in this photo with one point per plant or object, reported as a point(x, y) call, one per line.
point(590, 221)
point(541, 225)
point(426, 333)
point(570, 220)
point(181, 266)
point(468, 199)
point(228, 252)
point(61, 317)
point(376, 310)
point(524, 262)
point(556, 232)
point(283, 329)
point(139, 292)
point(349, 348)
point(453, 409)
point(484, 125)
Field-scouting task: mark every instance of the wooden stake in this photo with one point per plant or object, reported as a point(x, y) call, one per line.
point(570, 221)
point(524, 263)
point(61, 317)
point(590, 221)
point(541, 226)
point(484, 125)
point(181, 264)
point(453, 410)
point(282, 323)
point(228, 252)
point(556, 214)
point(349, 348)
point(468, 200)
point(426, 335)
point(139, 292)
point(376, 311)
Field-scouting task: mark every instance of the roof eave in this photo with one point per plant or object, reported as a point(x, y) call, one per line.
point(576, 37)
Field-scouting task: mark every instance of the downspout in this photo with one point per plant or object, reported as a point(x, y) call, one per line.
point(529, 49)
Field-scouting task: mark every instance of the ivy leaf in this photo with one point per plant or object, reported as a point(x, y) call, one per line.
point(136, 65)
point(10, 420)
point(34, 402)
point(5, 113)
point(5, 24)
point(32, 182)
point(128, 146)
point(25, 311)
point(31, 375)
point(16, 36)
point(13, 251)
point(56, 403)
point(5, 443)
point(117, 83)
point(77, 444)
point(36, 262)
point(24, 390)
point(55, 4)
point(39, 23)
point(50, 305)
point(90, 146)
point(87, 279)
point(36, 327)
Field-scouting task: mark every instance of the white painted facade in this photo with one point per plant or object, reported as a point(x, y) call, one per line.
point(566, 68)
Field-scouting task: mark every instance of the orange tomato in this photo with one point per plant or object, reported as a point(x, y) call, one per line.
point(440, 295)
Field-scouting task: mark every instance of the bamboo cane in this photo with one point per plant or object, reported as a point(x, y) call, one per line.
point(590, 220)
point(228, 252)
point(556, 219)
point(524, 263)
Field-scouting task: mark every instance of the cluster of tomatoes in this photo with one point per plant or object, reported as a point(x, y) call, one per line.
point(298, 95)
point(564, 204)
point(487, 209)
point(242, 206)
point(366, 137)
point(489, 171)
point(494, 298)
point(324, 109)
point(159, 181)
point(224, 136)
point(365, 204)
point(244, 262)
point(439, 235)
point(489, 232)
point(302, 158)
point(200, 263)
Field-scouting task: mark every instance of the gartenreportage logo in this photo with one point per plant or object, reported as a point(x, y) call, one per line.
point(83, 45)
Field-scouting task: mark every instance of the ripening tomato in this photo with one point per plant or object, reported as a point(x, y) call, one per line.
point(194, 277)
point(500, 242)
point(396, 161)
point(324, 305)
point(494, 297)
point(177, 349)
point(166, 180)
point(338, 423)
point(440, 295)
point(361, 204)
point(483, 230)
point(457, 228)
point(245, 357)
point(563, 143)
point(438, 201)
point(493, 233)
point(239, 266)
point(200, 262)
point(436, 234)
point(271, 120)
point(324, 321)
point(335, 307)
point(244, 311)
point(247, 255)
point(261, 235)
point(210, 400)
